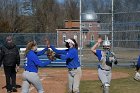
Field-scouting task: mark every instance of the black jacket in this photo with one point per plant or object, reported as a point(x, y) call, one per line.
point(9, 55)
point(0, 56)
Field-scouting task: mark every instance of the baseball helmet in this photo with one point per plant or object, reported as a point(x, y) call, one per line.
point(106, 42)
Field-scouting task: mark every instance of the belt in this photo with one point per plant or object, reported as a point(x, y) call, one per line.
point(104, 69)
point(27, 71)
point(70, 69)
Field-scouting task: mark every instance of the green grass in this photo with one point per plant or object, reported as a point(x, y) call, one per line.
point(125, 85)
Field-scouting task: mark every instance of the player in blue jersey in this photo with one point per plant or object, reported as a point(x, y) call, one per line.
point(72, 62)
point(106, 59)
point(137, 75)
point(30, 75)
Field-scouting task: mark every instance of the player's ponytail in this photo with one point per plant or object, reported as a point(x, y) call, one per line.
point(29, 46)
point(75, 45)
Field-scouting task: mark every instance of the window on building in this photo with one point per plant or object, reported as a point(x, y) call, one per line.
point(92, 37)
point(83, 25)
point(90, 25)
point(64, 37)
point(75, 36)
point(98, 25)
point(84, 36)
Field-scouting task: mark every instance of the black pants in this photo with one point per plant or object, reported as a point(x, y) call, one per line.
point(10, 74)
point(137, 68)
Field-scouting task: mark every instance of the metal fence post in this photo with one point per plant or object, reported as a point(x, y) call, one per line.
point(80, 33)
point(112, 25)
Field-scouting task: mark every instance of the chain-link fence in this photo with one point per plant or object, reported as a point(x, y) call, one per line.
point(118, 19)
point(21, 39)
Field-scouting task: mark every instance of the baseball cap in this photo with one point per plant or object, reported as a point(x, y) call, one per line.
point(70, 41)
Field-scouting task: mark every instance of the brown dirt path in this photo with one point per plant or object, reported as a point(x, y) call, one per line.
point(55, 80)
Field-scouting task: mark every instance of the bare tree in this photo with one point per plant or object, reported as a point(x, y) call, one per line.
point(9, 20)
point(72, 9)
point(48, 15)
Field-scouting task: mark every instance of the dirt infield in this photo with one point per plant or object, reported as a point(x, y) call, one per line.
point(54, 80)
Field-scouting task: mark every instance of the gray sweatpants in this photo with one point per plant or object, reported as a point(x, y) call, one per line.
point(74, 77)
point(31, 78)
point(104, 76)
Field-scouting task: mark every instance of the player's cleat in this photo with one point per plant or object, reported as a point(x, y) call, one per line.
point(8, 91)
point(137, 76)
point(136, 79)
point(14, 89)
point(107, 85)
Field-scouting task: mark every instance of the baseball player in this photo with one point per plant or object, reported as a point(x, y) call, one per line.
point(106, 58)
point(30, 75)
point(72, 62)
point(137, 75)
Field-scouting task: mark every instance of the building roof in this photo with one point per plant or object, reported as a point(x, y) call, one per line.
point(83, 29)
point(65, 29)
point(81, 20)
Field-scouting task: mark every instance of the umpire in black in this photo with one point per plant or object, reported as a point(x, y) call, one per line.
point(10, 59)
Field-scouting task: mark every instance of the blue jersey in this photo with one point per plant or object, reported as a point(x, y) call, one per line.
point(99, 54)
point(33, 61)
point(70, 55)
